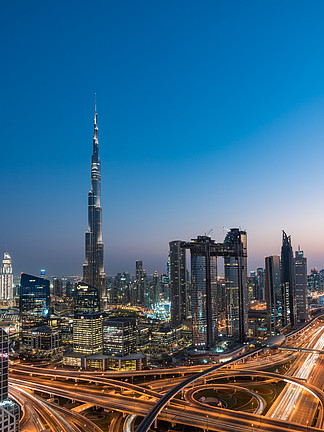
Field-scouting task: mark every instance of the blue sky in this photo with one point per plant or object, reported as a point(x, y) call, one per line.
point(210, 116)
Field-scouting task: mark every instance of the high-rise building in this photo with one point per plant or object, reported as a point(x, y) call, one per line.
point(119, 336)
point(273, 294)
point(236, 278)
point(57, 287)
point(315, 281)
point(93, 269)
point(6, 278)
point(86, 299)
point(300, 266)
point(204, 290)
point(178, 283)
point(140, 284)
point(261, 284)
point(34, 301)
point(9, 411)
point(209, 319)
point(87, 333)
point(87, 322)
point(288, 285)
point(252, 286)
point(155, 289)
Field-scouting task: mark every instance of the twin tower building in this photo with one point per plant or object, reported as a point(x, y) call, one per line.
point(219, 310)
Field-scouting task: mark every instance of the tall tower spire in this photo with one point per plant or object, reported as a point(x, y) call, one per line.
point(93, 269)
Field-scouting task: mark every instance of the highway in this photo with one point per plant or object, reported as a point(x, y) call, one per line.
point(293, 403)
point(113, 391)
point(218, 418)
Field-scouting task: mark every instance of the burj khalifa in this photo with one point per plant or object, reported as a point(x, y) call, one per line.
point(93, 269)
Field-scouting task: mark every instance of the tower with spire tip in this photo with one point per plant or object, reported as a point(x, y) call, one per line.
point(93, 269)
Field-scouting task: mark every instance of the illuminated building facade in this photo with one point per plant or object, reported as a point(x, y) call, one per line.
point(300, 266)
point(86, 299)
point(9, 411)
point(34, 301)
point(206, 308)
point(178, 283)
point(119, 337)
point(273, 294)
point(236, 279)
point(87, 333)
point(140, 285)
point(93, 269)
point(6, 278)
point(288, 284)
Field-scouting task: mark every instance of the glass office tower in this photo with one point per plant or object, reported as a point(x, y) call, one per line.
point(34, 301)
point(178, 283)
point(236, 280)
point(273, 294)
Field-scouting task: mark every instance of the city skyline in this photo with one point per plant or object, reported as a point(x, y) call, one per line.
point(187, 120)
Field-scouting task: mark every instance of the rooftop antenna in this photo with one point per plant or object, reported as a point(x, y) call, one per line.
point(209, 232)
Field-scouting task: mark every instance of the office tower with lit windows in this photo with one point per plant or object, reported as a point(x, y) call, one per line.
point(87, 322)
point(87, 333)
point(300, 267)
point(210, 319)
point(252, 286)
point(34, 301)
point(155, 288)
point(6, 278)
point(93, 269)
point(140, 284)
point(57, 287)
point(119, 336)
point(261, 284)
point(9, 410)
point(204, 290)
point(273, 294)
point(178, 283)
point(236, 279)
point(86, 299)
point(288, 284)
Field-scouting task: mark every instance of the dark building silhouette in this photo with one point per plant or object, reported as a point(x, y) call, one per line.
point(273, 294)
point(93, 269)
point(140, 284)
point(86, 299)
point(57, 287)
point(288, 285)
point(206, 309)
point(178, 283)
point(34, 301)
point(236, 279)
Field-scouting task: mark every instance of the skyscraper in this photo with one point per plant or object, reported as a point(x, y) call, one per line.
point(87, 322)
point(236, 279)
point(6, 278)
point(204, 290)
point(34, 301)
point(300, 266)
point(178, 283)
point(140, 284)
point(93, 269)
point(273, 294)
point(9, 411)
point(288, 285)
